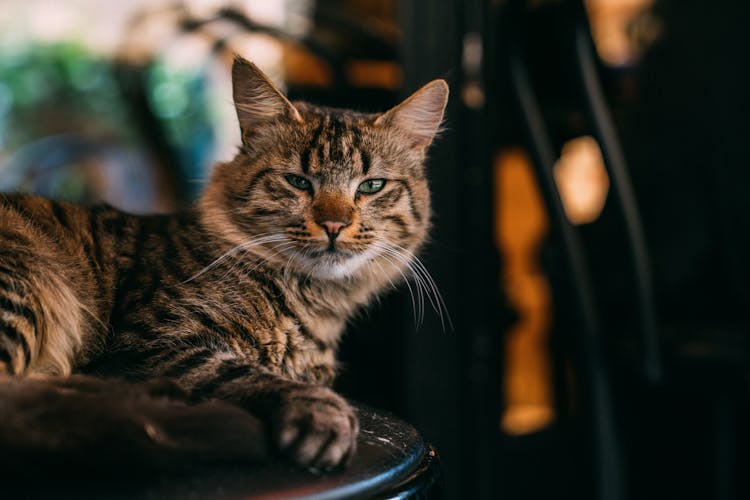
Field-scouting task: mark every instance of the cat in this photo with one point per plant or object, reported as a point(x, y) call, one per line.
point(242, 297)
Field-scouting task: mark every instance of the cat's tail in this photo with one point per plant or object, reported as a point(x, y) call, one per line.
point(59, 424)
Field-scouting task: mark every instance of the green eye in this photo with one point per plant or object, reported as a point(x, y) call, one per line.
point(371, 186)
point(299, 182)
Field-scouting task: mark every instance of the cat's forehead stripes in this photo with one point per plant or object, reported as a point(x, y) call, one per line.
point(335, 146)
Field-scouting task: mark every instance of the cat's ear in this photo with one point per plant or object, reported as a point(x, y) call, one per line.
point(257, 99)
point(420, 115)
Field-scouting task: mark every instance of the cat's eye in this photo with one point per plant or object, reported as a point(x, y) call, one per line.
point(299, 182)
point(371, 186)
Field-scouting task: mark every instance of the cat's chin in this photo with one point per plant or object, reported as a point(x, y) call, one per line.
point(336, 265)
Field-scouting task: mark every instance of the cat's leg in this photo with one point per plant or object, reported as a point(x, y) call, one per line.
point(311, 424)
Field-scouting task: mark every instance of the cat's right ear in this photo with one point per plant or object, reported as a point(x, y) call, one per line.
point(257, 99)
point(419, 117)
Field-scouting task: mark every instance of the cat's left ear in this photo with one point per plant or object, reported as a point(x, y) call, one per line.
point(257, 99)
point(420, 115)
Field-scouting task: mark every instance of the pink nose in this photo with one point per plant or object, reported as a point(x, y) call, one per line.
point(333, 228)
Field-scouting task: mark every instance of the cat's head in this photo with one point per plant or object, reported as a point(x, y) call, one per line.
point(323, 191)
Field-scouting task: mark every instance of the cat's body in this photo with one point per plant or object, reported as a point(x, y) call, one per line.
point(244, 296)
point(157, 296)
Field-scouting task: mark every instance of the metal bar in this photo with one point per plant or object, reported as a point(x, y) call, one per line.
point(614, 160)
point(608, 483)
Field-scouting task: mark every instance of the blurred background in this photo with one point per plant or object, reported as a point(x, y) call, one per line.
point(591, 207)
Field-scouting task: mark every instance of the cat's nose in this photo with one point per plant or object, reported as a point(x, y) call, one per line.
point(332, 227)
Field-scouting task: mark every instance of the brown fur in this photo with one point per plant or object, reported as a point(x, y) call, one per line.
point(244, 296)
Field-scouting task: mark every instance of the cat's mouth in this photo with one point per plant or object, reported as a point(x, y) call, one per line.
point(332, 261)
point(331, 252)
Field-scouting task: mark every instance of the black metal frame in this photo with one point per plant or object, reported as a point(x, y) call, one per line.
point(614, 161)
point(587, 337)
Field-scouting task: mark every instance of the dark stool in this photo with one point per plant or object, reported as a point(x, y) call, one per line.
point(392, 461)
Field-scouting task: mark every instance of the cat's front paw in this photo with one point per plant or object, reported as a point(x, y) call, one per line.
point(316, 428)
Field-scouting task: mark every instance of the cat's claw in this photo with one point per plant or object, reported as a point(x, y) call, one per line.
point(316, 428)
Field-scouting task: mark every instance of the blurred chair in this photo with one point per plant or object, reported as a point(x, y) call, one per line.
point(627, 370)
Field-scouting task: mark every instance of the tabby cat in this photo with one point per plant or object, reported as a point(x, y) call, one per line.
point(244, 296)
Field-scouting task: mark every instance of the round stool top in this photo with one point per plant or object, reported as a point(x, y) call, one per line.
point(391, 458)
point(391, 461)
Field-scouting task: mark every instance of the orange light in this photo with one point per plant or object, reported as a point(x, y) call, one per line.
point(613, 27)
point(521, 224)
point(582, 180)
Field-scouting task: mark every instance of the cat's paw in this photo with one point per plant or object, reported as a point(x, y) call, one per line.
point(316, 428)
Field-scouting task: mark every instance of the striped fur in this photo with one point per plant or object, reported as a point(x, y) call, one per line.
point(244, 296)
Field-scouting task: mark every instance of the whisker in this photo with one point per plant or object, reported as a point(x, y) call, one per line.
point(422, 289)
point(423, 279)
point(278, 249)
point(288, 265)
point(419, 311)
point(417, 315)
point(430, 280)
point(246, 245)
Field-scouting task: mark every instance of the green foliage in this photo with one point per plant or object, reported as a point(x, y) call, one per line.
point(48, 89)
